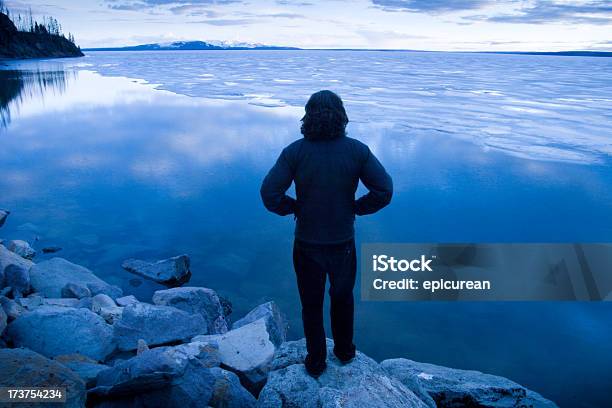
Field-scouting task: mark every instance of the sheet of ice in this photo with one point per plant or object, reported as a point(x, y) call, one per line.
point(540, 107)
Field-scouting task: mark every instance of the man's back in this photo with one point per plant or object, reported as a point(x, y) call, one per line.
point(326, 174)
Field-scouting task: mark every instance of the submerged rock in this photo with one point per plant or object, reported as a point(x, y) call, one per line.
point(202, 301)
point(275, 321)
point(49, 277)
point(170, 272)
point(156, 325)
point(85, 367)
point(51, 249)
point(55, 330)
point(3, 216)
point(247, 351)
point(21, 248)
point(25, 368)
point(362, 383)
point(453, 388)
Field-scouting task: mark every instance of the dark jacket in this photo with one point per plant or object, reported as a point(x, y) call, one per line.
point(326, 174)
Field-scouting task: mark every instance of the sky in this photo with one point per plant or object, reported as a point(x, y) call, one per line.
point(451, 25)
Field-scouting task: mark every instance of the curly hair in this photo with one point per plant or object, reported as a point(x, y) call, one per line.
point(325, 117)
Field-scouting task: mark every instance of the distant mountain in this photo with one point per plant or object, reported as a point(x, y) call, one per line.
point(193, 46)
point(560, 53)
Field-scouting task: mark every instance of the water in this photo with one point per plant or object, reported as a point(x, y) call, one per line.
point(148, 155)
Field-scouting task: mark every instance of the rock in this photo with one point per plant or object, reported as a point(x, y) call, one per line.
point(247, 351)
point(228, 392)
point(275, 321)
point(3, 320)
point(156, 325)
point(451, 387)
point(49, 277)
point(21, 248)
point(170, 272)
point(56, 330)
point(142, 347)
point(74, 290)
point(11, 308)
point(111, 290)
point(106, 307)
point(8, 258)
point(169, 376)
point(362, 383)
point(226, 304)
point(193, 300)
point(126, 300)
point(18, 278)
point(51, 249)
point(25, 368)
point(84, 367)
point(30, 303)
point(3, 216)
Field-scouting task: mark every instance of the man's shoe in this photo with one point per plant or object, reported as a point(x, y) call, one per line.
point(314, 369)
point(345, 357)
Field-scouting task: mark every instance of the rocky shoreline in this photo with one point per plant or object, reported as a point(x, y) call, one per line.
point(62, 326)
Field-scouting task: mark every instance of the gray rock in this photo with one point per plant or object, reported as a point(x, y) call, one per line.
point(11, 308)
point(112, 291)
point(25, 368)
point(452, 388)
point(275, 321)
point(84, 367)
point(106, 307)
point(194, 300)
point(18, 278)
point(62, 302)
point(169, 376)
point(156, 325)
point(49, 277)
point(55, 330)
point(21, 248)
point(3, 216)
point(247, 351)
point(8, 258)
point(226, 304)
point(31, 302)
point(228, 392)
point(74, 290)
point(170, 272)
point(362, 383)
point(126, 300)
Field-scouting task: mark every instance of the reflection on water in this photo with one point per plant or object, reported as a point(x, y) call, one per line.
point(17, 85)
point(111, 168)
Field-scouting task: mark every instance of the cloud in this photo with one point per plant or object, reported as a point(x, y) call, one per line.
point(225, 21)
point(177, 5)
point(430, 6)
point(546, 11)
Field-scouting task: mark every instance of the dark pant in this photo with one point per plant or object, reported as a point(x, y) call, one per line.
point(312, 264)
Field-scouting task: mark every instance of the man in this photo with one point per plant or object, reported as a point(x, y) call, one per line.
point(326, 167)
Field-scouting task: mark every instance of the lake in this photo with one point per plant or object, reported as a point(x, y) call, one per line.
point(153, 154)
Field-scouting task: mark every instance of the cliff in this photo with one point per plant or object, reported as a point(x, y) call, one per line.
point(18, 44)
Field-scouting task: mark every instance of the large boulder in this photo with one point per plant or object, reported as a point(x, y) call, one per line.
point(21, 248)
point(170, 272)
point(3, 214)
point(25, 368)
point(56, 330)
point(362, 383)
point(275, 321)
point(8, 258)
point(49, 277)
point(170, 377)
point(85, 367)
point(193, 300)
point(156, 325)
point(450, 387)
point(247, 351)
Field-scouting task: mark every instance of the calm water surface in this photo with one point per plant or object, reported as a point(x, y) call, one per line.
point(148, 155)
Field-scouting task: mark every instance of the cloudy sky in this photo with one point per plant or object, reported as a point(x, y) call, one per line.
point(405, 24)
